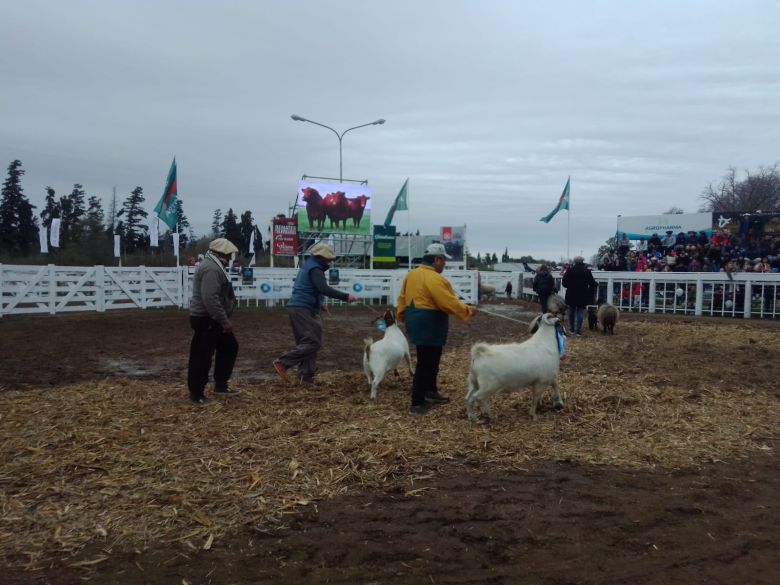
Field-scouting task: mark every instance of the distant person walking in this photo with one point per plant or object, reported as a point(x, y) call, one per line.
point(508, 289)
point(580, 289)
point(303, 309)
point(212, 303)
point(424, 304)
point(543, 285)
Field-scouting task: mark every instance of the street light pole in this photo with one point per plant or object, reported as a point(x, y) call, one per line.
point(298, 118)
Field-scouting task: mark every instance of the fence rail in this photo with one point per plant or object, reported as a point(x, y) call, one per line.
point(59, 289)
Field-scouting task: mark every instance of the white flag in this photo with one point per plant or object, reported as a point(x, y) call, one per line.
point(252, 248)
point(154, 234)
point(117, 242)
point(42, 237)
point(54, 236)
point(176, 244)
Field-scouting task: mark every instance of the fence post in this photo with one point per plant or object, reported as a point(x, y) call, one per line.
point(183, 285)
point(651, 297)
point(699, 305)
point(2, 278)
point(142, 282)
point(52, 289)
point(100, 283)
point(748, 298)
point(611, 290)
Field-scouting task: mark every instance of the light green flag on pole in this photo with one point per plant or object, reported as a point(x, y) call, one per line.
point(399, 204)
point(166, 208)
point(563, 203)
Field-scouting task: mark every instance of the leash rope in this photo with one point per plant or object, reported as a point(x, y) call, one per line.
point(504, 317)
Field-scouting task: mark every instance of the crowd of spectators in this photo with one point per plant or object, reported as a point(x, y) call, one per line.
point(695, 252)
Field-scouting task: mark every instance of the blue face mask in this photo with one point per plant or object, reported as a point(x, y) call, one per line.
point(381, 325)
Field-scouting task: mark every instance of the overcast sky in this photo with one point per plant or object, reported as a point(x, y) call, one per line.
point(490, 105)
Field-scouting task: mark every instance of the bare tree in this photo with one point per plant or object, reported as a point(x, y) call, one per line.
point(759, 191)
point(674, 210)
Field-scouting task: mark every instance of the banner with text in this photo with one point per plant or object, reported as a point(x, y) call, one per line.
point(454, 239)
point(384, 243)
point(642, 227)
point(285, 236)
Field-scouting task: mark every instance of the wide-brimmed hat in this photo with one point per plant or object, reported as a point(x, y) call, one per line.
point(223, 246)
point(322, 250)
point(436, 250)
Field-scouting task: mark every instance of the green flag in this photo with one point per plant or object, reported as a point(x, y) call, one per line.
point(399, 204)
point(166, 208)
point(563, 203)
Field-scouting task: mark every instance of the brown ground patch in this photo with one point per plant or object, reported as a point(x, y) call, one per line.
point(660, 469)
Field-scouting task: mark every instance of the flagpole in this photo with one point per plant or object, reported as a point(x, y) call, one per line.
point(568, 231)
point(176, 252)
point(409, 234)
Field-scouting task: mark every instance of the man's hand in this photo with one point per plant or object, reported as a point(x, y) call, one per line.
point(227, 329)
point(351, 298)
point(325, 310)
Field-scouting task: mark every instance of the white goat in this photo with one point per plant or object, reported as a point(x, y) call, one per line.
point(514, 366)
point(384, 355)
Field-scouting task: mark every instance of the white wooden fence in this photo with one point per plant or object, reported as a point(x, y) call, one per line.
point(742, 294)
point(57, 289)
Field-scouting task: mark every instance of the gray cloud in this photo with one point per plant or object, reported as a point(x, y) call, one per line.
point(489, 106)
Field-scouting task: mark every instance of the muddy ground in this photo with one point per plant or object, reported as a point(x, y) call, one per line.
point(551, 522)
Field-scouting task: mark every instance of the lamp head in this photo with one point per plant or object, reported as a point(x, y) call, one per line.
point(379, 121)
point(297, 118)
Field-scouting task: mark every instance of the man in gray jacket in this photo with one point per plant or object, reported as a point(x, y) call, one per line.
point(213, 301)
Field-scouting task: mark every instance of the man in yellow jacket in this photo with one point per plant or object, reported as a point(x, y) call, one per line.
point(425, 303)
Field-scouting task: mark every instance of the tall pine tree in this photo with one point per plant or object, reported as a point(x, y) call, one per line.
point(51, 209)
point(231, 229)
point(18, 225)
point(216, 224)
point(133, 214)
point(246, 229)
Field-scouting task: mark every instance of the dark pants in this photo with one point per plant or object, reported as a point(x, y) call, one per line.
point(307, 330)
point(208, 338)
point(426, 372)
point(543, 301)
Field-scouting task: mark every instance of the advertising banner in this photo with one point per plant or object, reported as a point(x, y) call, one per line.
point(746, 224)
point(454, 239)
point(334, 207)
point(642, 227)
point(384, 243)
point(285, 236)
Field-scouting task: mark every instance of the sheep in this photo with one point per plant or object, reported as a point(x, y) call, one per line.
point(384, 355)
point(506, 367)
point(608, 316)
point(487, 292)
point(593, 319)
point(556, 305)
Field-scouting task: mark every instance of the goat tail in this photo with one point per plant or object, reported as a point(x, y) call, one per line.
point(367, 343)
point(479, 349)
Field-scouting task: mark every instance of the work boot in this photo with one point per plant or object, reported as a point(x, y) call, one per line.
point(436, 398)
point(419, 409)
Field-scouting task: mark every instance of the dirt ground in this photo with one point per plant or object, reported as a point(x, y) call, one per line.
point(556, 521)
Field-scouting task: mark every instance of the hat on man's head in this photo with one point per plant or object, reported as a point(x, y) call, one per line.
point(436, 250)
point(669, 231)
point(223, 246)
point(322, 250)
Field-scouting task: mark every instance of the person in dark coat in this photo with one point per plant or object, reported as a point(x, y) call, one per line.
point(544, 286)
point(580, 286)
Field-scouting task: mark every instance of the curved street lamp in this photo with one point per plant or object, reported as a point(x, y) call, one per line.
point(298, 118)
